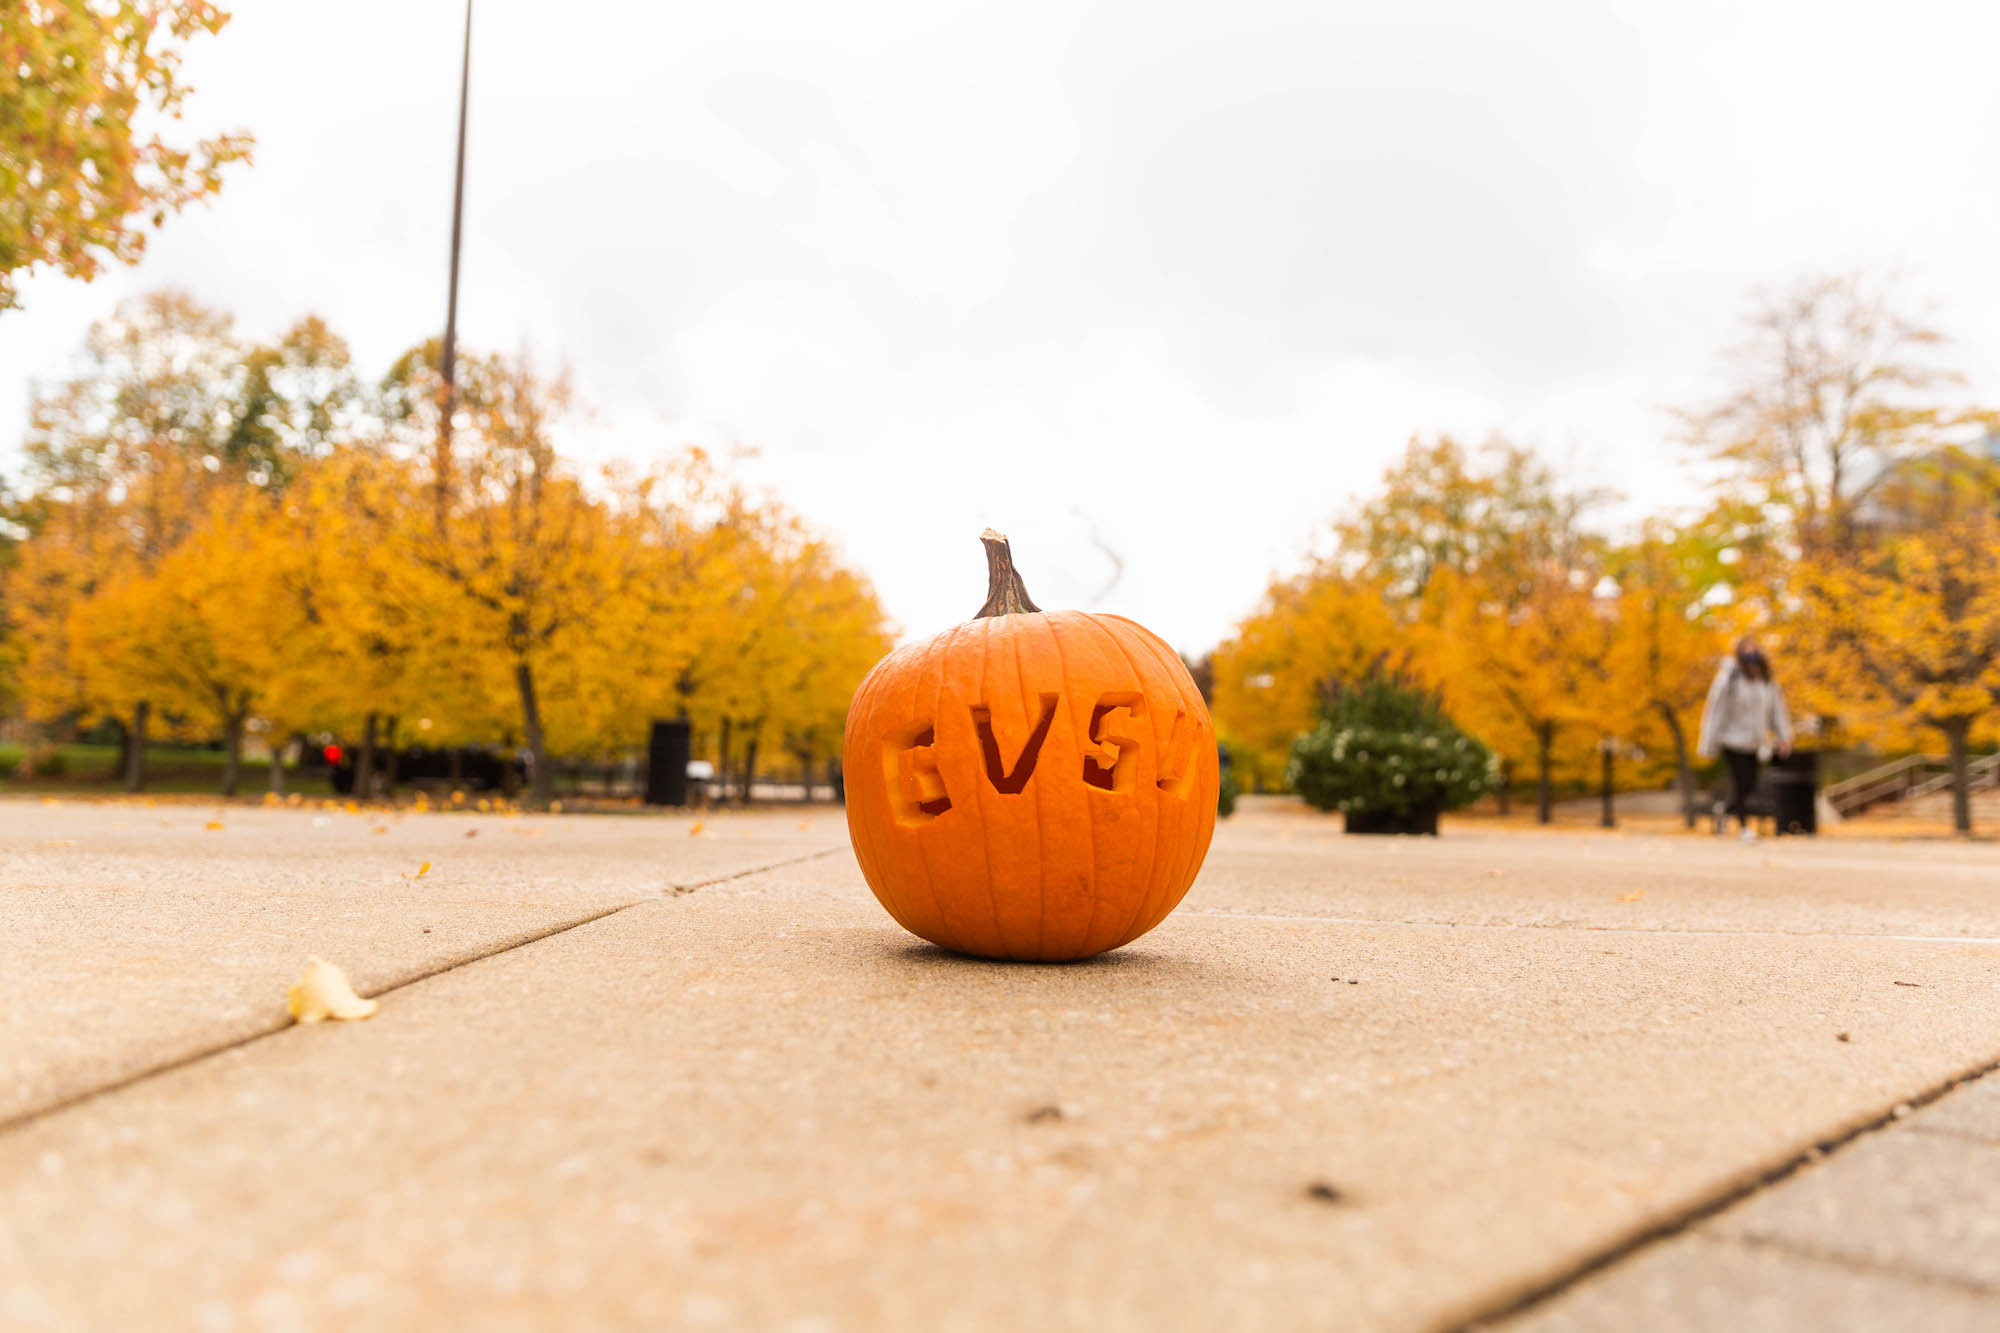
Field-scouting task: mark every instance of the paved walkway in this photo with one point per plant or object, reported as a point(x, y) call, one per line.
point(631, 1075)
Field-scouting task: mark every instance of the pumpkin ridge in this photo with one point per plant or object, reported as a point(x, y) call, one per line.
point(860, 712)
point(1041, 833)
point(1089, 819)
point(1153, 847)
point(1198, 815)
point(1184, 871)
point(880, 693)
point(941, 647)
point(985, 843)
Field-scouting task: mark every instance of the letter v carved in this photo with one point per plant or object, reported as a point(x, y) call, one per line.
point(1009, 782)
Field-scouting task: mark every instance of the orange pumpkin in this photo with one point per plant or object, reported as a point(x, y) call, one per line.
point(1032, 784)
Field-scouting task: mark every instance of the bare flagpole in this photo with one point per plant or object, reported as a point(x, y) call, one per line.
point(448, 363)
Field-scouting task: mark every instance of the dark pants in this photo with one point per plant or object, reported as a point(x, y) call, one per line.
point(1742, 781)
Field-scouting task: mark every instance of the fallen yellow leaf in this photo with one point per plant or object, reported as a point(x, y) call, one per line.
point(213, 824)
point(694, 829)
point(379, 828)
point(323, 992)
point(1632, 897)
point(422, 870)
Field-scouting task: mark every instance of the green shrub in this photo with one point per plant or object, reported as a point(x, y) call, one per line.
point(1385, 744)
point(1225, 796)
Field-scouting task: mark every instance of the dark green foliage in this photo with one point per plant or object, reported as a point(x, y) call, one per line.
point(1385, 744)
point(1226, 794)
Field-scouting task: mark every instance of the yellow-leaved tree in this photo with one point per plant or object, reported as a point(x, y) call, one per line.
point(1666, 641)
point(1909, 632)
point(84, 85)
point(1525, 664)
point(1273, 676)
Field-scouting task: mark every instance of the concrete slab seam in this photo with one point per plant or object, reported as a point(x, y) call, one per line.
point(677, 889)
point(1854, 1262)
point(26, 1118)
point(1732, 1192)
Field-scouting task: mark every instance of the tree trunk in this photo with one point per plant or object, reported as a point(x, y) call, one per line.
point(124, 747)
point(1681, 764)
point(232, 753)
point(1544, 802)
point(1607, 753)
point(364, 763)
point(1955, 731)
point(749, 767)
point(388, 762)
point(541, 787)
point(806, 772)
point(277, 782)
point(457, 767)
point(1506, 782)
point(135, 748)
point(722, 762)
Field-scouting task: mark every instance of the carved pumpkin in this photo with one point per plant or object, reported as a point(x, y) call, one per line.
point(1032, 784)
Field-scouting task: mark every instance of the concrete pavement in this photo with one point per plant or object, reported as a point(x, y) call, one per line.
point(1352, 1083)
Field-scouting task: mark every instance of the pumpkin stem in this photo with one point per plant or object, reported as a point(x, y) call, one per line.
point(1005, 593)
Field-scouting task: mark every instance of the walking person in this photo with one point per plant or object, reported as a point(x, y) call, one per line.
point(1745, 713)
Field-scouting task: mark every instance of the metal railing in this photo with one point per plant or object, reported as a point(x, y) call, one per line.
point(1900, 779)
point(1979, 775)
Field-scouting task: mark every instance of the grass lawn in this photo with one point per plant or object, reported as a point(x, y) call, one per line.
point(170, 769)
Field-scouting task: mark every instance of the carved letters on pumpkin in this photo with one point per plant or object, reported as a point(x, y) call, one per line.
point(1005, 782)
point(909, 763)
point(1110, 762)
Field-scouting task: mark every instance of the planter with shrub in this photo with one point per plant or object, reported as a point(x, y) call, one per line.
point(1387, 758)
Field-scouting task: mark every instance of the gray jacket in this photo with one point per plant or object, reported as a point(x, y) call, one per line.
point(1740, 712)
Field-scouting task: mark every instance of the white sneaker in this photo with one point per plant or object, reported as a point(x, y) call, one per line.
point(1749, 834)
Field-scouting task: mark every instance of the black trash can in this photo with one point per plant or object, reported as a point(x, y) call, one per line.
point(1795, 792)
point(667, 763)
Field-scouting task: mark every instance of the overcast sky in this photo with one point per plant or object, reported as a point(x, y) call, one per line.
point(1174, 279)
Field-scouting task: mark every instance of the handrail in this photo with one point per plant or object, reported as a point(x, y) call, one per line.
point(1979, 774)
point(1895, 767)
point(1887, 781)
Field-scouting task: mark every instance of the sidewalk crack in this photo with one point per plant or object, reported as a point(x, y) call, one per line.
point(1520, 1301)
point(24, 1119)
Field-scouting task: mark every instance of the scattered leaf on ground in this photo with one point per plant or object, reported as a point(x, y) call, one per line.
point(472, 833)
point(422, 870)
point(213, 824)
point(323, 992)
point(1320, 1191)
point(1842, 1036)
point(379, 828)
point(1632, 897)
point(694, 829)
